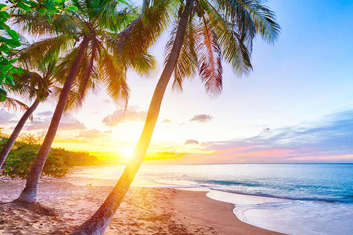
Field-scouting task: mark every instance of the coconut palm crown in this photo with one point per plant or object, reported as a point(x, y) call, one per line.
point(117, 39)
point(220, 31)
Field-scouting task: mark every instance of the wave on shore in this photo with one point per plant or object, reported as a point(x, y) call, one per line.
point(309, 199)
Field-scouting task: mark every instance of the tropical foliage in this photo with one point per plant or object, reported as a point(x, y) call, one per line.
point(93, 42)
point(58, 164)
point(10, 39)
point(205, 34)
point(220, 31)
point(108, 54)
point(20, 160)
point(33, 86)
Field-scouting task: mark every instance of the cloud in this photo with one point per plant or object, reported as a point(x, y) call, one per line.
point(92, 134)
point(201, 118)
point(5, 117)
point(191, 141)
point(71, 123)
point(327, 140)
point(122, 116)
point(67, 122)
point(332, 134)
point(45, 113)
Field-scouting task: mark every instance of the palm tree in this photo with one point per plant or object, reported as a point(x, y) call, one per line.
point(206, 32)
point(35, 86)
point(106, 49)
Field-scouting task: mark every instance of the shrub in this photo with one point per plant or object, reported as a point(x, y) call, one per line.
point(20, 160)
point(58, 164)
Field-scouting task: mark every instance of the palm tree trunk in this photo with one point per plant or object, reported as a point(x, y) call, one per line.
point(5, 151)
point(29, 194)
point(101, 219)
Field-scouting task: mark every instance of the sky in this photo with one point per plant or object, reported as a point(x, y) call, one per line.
point(295, 106)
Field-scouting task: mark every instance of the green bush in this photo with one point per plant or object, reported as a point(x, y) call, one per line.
point(58, 164)
point(55, 165)
point(20, 160)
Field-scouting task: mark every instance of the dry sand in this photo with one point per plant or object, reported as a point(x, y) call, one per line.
point(144, 211)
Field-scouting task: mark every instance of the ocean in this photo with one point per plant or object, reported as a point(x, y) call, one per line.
point(307, 199)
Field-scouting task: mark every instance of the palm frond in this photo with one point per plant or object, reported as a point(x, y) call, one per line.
point(85, 78)
point(29, 84)
point(143, 63)
point(36, 24)
point(209, 56)
point(186, 65)
point(89, 68)
point(113, 15)
point(32, 22)
point(251, 17)
point(63, 68)
point(74, 100)
point(135, 40)
point(14, 104)
point(234, 51)
point(112, 75)
point(44, 50)
point(68, 25)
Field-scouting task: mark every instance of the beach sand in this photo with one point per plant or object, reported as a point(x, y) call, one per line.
point(144, 211)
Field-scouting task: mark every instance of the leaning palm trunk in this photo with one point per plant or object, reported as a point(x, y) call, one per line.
point(101, 219)
point(29, 194)
point(5, 151)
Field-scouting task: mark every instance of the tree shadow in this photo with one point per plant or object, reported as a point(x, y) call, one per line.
point(33, 207)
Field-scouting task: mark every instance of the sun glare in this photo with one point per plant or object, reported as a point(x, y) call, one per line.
point(127, 152)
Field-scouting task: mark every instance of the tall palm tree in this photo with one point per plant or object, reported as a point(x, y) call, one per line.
point(206, 32)
point(97, 43)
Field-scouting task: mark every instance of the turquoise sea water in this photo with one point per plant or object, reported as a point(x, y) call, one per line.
point(289, 198)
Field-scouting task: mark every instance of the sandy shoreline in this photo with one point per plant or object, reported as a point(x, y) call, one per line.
point(144, 211)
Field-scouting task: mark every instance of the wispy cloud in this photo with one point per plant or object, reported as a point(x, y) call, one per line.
point(191, 141)
point(67, 122)
point(328, 140)
point(93, 134)
point(119, 116)
point(5, 117)
point(201, 118)
point(45, 113)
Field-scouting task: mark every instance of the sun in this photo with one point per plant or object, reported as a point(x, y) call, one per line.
point(127, 152)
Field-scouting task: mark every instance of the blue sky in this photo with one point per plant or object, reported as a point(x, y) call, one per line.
point(304, 80)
